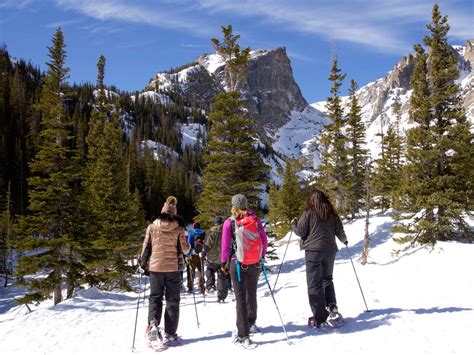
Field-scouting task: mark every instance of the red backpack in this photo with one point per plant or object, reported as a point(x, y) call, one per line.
point(247, 240)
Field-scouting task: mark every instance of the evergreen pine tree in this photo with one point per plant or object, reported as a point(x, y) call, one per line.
point(7, 237)
point(286, 202)
point(232, 163)
point(381, 189)
point(48, 227)
point(388, 172)
point(235, 59)
point(334, 170)
point(116, 218)
point(439, 161)
point(356, 154)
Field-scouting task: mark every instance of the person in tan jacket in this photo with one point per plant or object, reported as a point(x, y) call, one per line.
point(162, 254)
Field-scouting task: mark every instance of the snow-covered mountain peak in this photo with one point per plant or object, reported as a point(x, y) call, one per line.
point(377, 98)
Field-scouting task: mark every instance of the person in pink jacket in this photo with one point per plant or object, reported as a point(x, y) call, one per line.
point(244, 276)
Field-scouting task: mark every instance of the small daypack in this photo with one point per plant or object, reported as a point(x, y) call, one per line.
point(247, 240)
point(196, 239)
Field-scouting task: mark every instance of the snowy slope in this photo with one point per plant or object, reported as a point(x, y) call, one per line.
point(190, 133)
point(422, 303)
point(301, 127)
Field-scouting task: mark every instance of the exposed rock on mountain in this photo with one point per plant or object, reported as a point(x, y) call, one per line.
point(269, 89)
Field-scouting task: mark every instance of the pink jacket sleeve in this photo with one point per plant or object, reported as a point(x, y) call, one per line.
point(226, 240)
point(263, 236)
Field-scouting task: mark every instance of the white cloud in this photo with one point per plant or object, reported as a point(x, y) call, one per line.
point(152, 15)
point(378, 24)
point(385, 26)
point(18, 4)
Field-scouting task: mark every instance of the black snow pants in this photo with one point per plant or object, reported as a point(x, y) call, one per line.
point(223, 280)
point(321, 293)
point(245, 292)
point(165, 284)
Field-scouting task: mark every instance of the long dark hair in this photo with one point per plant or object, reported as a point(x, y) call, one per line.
point(319, 202)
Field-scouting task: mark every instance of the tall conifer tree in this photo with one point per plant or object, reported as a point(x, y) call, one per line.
point(48, 228)
point(7, 237)
point(334, 169)
point(232, 163)
point(439, 148)
point(287, 201)
point(116, 218)
point(356, 154)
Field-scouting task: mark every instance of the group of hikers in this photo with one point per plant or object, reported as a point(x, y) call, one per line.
point(234, 249)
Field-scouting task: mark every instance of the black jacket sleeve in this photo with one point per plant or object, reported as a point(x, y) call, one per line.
point(301, 227)
point(339, 230)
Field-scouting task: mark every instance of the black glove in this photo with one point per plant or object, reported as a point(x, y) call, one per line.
point(142, 262)
point(346, 242)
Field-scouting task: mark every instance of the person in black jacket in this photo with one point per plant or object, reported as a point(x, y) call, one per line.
point(318, 226)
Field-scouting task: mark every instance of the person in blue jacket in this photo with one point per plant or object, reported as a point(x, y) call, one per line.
point(196, 238)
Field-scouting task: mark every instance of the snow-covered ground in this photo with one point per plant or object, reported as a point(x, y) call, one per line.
point(421, 302)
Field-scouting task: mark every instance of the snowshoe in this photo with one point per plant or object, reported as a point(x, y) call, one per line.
point(335, 319)
point(153, 338)
point(244, 342)
point(171, 340)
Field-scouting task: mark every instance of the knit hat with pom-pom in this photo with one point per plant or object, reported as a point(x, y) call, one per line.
point(170, 205)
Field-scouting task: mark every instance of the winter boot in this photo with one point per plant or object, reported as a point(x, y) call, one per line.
point(153, 337)
point(152, 333)
point(171, 340)
point(244, 342)
point(254, 329)
point(335, 318)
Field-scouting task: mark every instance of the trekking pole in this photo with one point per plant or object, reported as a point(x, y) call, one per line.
point(138, 305)
point(282, 260)
point(192, 289)
point(274, 301)
point(367, 308)
point(203, 280)
point(144, 291)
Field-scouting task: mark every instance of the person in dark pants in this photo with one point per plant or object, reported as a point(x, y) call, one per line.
point(244, 274)
point(194, 261)
point(212, 253)
point(162, 255)
point(318, 227)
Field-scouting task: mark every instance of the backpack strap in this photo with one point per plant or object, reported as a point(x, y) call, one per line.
point(233, 223)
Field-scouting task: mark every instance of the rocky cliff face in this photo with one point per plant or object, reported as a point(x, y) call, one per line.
point(374, 96)
point(269, 89)
point(466, 60)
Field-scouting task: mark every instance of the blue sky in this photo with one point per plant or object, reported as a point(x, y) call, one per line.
point(141, 38)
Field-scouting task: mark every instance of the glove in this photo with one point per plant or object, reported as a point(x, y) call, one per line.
point(224, 268)
point(346, 242)
point(141, 263)
point(143, 271)
point(202, 254)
